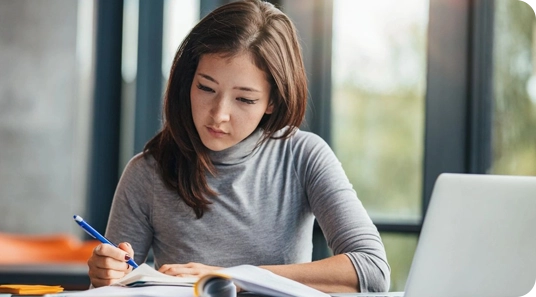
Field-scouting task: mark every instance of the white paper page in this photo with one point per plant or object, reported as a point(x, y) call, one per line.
point(148, 275)
point(116, 291)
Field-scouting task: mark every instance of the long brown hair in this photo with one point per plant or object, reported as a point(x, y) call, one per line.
point(250, 26)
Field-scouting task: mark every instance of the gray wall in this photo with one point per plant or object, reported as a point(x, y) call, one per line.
point(43, 117)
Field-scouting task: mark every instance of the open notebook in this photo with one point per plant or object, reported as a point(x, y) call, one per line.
point(145, 275)
point(145, 281)
point(247, 277)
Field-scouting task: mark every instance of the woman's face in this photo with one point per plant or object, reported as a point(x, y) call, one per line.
point(229, 97)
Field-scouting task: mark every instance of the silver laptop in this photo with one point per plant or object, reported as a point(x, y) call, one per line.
point(478, 239)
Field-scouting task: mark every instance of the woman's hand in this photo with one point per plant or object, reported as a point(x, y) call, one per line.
point(190, 270)
point(187, 270)
point(108, 263)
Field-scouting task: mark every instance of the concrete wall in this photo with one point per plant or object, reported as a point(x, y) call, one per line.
point(43, 117)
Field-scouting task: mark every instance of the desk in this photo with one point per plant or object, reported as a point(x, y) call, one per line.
point(69, 276)
point(74, 277)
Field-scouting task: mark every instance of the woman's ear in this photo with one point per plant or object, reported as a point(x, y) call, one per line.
point(269, 109)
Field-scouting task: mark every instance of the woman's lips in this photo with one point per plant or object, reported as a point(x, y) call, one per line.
point(216, 132)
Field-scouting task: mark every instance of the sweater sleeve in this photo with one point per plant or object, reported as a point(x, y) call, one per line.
point(344, 221)
point(130, 214)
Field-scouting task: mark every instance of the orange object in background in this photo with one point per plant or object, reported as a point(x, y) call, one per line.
point(44, 249)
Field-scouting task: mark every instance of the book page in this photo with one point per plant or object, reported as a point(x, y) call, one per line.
point(261, 281)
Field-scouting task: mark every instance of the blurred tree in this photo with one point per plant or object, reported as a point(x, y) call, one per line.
point(514, 124)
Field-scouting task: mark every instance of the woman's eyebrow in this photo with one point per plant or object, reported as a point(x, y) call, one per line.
point(208, 77)
point(247, 89)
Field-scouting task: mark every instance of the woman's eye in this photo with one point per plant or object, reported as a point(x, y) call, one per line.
point(205, 88)
point(247, 101)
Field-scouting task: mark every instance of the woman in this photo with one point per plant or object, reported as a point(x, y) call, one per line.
point(230, 179)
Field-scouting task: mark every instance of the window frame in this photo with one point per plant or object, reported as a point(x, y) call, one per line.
point(457, 136)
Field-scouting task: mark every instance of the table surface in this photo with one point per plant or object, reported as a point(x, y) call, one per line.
point(69, 276)
point(74, 277)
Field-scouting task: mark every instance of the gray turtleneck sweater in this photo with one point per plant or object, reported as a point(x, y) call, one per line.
point(268, 198)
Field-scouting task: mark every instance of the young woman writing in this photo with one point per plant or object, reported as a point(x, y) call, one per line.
point(230, 179)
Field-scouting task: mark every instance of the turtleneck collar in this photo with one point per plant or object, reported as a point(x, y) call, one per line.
point(238, 153)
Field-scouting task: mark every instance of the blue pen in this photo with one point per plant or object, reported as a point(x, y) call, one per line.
point(95, 234)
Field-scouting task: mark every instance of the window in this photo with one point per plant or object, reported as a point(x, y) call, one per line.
point(378, 95)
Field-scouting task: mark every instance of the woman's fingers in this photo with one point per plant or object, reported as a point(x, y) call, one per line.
point(110, 257)
point(125, 246)
point(103, 276)
point(108, 264)
point(187, 270)
point(106, 274)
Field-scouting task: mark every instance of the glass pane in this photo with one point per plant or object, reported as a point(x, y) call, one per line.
point(129, 68)
point(179, 18)
point(400, 249)
point(379, 78)
point(514, 118)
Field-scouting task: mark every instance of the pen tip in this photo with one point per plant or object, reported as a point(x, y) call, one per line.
point(77, 218)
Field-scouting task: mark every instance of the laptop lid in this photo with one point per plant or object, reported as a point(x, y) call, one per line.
point(478, 238)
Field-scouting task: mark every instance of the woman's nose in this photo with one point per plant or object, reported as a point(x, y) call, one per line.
point(221, 110)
